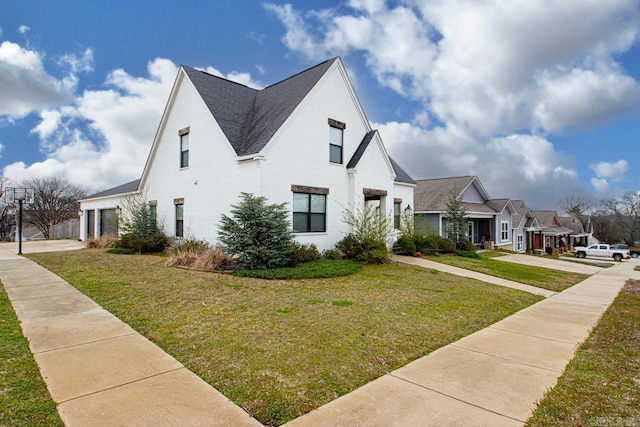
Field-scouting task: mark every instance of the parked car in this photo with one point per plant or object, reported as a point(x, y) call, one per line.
point(633, 252)
point(602, 250)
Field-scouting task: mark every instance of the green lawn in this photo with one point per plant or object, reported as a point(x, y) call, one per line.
point(601, 385)
point(545, 278)
point(24, 399)
point(282, 348)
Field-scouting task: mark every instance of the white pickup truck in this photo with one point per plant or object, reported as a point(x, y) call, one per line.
point(601, 250)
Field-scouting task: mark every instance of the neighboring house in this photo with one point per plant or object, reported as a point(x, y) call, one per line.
point(581, 229)
point(552, 234)
point(489, 220)
point(304, 141)
point(524, 227)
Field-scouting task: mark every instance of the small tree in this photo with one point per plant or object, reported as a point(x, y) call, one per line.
point(258, 235)
point(367, 240)
point(138, 224)
point(456, 217)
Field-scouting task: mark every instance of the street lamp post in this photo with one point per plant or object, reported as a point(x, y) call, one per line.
point(20, 195)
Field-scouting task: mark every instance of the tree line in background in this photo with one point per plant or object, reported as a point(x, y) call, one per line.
point(615, 220)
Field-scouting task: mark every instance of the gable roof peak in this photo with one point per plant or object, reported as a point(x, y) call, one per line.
point(248, 117)
point(198, 70)
point(328, 63)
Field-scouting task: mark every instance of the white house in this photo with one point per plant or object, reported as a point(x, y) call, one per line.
point(305, 141)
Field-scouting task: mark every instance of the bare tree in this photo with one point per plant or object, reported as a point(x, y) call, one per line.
point(618, 220)
point(575, 205)
point(7, 219)
point(630, 209)
point(7, 212)
point(55, 201)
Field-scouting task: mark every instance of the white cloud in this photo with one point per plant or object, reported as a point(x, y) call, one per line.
point(482, 70)
point(601, 185)
point(104, 136)
point(257, 37)
point(22, 29)
point(236, 76)
point(611, 170)
point(25, 85)
point(78, 63)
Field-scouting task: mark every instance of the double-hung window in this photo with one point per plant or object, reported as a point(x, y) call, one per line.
point(179, 204)
point(397, 207)
point(336, 130)
point(309, 212)
point(153, 212)
point(184, 147)
point(504, 231)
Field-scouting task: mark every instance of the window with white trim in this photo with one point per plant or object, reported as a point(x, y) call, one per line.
point(504, 230)
point(519, 242)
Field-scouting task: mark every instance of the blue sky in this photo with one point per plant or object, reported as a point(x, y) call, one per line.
point(540, 100)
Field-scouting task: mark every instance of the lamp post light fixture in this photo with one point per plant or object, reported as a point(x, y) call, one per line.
point(20, 195)
point(407, 210)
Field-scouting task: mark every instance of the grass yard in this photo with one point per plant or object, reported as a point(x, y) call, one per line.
point(601, 385)
point(553, 280)
point(24, 399)
point(282, 348)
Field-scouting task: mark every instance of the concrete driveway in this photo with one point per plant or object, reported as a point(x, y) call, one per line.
point(546, 262)
point(41, 246)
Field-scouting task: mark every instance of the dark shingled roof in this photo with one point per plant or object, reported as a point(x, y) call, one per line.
point(401, 175)
point(249, 117)
point(120, 189)
point(361, 149)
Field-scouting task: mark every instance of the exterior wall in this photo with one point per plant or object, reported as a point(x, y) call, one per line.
point(213, 180)
point(504, 216)
point(471, 194)
point(299, 155)
point(519, 231)
point(428, 221)
point(96, 205)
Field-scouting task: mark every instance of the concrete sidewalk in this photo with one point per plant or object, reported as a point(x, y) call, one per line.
point(101, 372)
point(97, 369)
point(493, 377)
